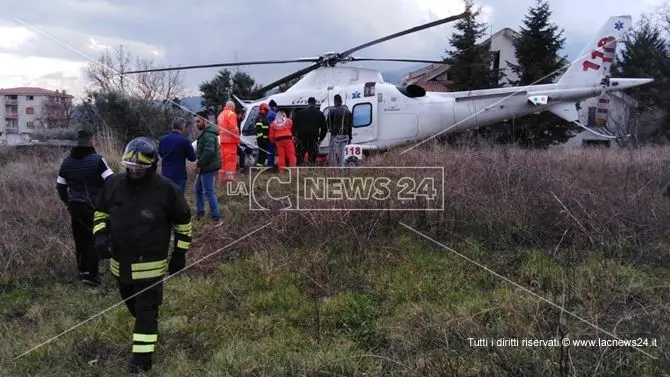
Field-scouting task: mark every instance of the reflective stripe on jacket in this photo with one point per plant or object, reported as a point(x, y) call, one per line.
point(262, 128)
point(139, 220)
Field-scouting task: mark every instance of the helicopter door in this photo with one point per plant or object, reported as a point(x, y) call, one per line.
point(363, 106)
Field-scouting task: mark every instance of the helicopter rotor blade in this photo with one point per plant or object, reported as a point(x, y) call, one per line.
point(344, 55)
point(402, 33)
point(300, 60)
point(260, 92)
point(396, 60)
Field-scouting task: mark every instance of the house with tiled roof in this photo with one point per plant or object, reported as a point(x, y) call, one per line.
point(24, 109)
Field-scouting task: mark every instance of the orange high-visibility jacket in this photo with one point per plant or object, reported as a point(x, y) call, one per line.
point(281, 131)
point(227, 122)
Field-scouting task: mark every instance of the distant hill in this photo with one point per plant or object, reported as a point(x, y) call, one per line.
point(194, 103)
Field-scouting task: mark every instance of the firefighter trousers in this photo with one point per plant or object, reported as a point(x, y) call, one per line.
point(144, 307)
point(81, 215)
point(263, 149)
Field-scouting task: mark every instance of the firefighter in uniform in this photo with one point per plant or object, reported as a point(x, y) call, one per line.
point(262, 135)
point(136, 213)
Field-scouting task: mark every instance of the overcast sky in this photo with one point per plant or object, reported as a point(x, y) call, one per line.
point(210, 31)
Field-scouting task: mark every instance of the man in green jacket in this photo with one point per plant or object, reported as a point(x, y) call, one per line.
point(208, 162)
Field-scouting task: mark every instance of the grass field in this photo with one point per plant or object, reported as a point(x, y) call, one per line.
point(344, 293)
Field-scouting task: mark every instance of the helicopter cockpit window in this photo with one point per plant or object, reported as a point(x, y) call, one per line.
point(249, 128)
point(362, 114)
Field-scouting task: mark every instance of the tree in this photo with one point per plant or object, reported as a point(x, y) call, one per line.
point(536, 49)
point(127, 116)
point(150, 86)
point(470, 64)
point(217, 92)
point(645, 54)
point(243, 85)
point(57, 111)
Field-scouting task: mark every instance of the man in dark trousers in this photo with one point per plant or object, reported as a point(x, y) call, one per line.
point(310, 129)
point(269, 118)
point(174, 150)
point(80, 179)
point(136, 213)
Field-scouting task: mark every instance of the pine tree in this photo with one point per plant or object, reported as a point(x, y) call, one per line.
point(537, 48)
point(216, 92)
point(644, 54)
point(470, 63)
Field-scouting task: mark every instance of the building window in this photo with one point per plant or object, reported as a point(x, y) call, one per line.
point(496, 60)
point(29, 124)
point(30, 98)
point(11, 123)
point(362, 114)
point(30, 111)
point(591, 121)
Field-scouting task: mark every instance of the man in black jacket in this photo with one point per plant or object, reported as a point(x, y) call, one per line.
point(310, 129)
point(340, 123)
point(80, 178)
point(135, 215)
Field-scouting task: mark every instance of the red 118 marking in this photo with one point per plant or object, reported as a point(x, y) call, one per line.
point(354, 150)
point(597, 54)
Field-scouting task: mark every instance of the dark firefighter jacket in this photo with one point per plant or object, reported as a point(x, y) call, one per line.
point(262, 128)
point(139, 219)
point(81, 176)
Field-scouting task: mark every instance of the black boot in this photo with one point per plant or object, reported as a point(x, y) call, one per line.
point(90, 279)
point(139, 366)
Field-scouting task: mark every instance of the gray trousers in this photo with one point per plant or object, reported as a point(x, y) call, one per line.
point(336, 150)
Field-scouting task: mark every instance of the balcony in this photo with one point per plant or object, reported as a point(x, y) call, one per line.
point(11, 115)
point(13, 101)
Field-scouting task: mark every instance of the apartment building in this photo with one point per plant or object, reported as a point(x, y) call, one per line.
point(24, 109)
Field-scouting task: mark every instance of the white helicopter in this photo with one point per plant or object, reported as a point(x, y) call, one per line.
point(386, 115)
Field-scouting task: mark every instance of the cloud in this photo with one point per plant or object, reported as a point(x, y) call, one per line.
point(47, 73)
point(208, 31)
